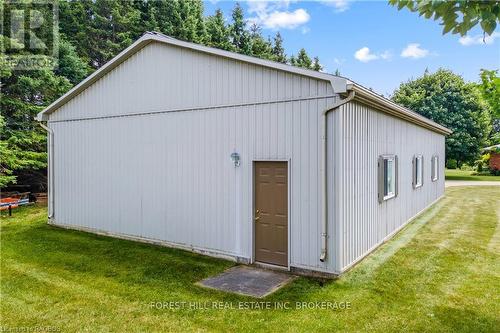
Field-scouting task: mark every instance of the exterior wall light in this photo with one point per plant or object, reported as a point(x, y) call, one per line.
point(235, 157)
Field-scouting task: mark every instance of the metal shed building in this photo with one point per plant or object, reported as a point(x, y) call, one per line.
point(232, 156)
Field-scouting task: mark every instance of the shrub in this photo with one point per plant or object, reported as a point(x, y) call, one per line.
point(451, 163)
point(465, 167)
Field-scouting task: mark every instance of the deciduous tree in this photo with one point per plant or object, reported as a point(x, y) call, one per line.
point(458, 16)
point(448, 100)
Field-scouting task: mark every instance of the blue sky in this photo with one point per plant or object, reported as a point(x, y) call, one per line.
point(370, 42)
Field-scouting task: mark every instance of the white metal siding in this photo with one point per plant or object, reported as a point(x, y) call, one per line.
point(165, 77)
point(168, 176)
point(362, 135)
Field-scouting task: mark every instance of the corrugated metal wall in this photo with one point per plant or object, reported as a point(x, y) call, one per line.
point(163, 77)
point(362, 135)
point(168, 176)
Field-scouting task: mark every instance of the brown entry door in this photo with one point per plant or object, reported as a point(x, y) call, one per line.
point(271, 212)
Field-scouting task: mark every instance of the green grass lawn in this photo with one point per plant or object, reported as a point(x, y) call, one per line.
point(457, 174)
point(440, 274)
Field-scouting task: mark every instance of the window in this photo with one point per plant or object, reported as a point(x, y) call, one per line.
point(418, 171)
point(435, 168)
point(387, 172)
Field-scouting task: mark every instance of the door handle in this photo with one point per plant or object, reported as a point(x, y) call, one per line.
point(257, 217)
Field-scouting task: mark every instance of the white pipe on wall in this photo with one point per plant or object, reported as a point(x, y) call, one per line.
point(324, 187)
point(51, 168)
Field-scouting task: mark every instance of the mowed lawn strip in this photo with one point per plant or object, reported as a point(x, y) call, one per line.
point(457, 174)
point(441, 273)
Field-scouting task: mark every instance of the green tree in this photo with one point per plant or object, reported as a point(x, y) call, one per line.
point(302, 59)
point(75, 22)
point(240, 37)
point(458, 16)
point(23, 95)
point(8, 160)
point(261, 48)
point(217, 32)
point(278, 50)
point(99, 29)
point(448, 100)
point(70, 65)
point(490, 90)
point(316, 64)
point(191, 26)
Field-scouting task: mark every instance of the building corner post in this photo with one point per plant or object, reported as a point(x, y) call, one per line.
point(50, 152)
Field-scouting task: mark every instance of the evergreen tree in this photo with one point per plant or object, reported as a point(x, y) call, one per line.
point(191, 27)
point(70, 65)
point(316, 65)
point(278, 50)
point(201, 30)
point(99, 29)
point(75, 22)
point(239, 35)
point(23, 95)
point(261, 48)
point(217, 32)
point(303, 60)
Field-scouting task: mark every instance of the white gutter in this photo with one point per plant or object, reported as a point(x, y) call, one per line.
point(324, 187)
point(51, 168)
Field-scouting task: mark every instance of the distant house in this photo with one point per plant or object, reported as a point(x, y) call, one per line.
point(238, 157)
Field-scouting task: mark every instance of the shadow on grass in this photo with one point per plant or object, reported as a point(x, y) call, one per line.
point(465, 320)
point(78, 255)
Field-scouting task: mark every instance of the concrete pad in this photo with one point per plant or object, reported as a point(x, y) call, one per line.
point(248, 281)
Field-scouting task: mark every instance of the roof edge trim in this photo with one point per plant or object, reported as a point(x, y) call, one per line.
point(370, 98)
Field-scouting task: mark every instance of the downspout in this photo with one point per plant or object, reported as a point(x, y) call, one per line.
point(324, 186)
point(51, 168)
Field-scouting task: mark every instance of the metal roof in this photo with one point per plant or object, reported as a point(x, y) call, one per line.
point(339, 84)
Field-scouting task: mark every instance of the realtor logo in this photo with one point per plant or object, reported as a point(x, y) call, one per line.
point(29, 34)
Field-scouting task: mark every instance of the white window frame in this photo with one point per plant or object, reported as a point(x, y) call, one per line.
point(418, 171)
point(383, 178)
point(435, 168)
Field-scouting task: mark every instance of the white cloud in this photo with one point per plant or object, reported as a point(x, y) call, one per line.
point(365, 55)
point(339, 5)
point(275, 15)
point(478, 39)
point(305, 30)
point(386, 55)
point(413, 50)
point(285, 19)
